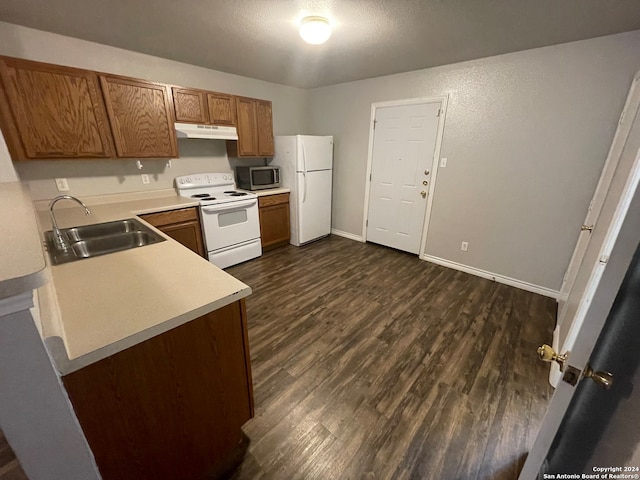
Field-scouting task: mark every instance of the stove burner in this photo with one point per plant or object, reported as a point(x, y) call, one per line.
point(200, 195)
point(229, 192)
point(235, 194)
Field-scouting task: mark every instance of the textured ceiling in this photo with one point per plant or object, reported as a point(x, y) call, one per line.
point(259, 39)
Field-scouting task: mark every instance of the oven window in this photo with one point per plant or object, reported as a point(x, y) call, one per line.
point(232, 218)
point(262, 177)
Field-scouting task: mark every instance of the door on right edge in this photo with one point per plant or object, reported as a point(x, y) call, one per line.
point(403, 148)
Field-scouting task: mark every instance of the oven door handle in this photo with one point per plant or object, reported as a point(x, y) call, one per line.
point(229, 206)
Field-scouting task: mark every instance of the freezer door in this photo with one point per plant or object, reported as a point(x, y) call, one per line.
point(314, 153)
point(314, 205)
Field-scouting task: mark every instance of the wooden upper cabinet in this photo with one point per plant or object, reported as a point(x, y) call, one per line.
point(247, 143)
point(222, 108)
point(200, 106)
point(190, 105)
point(141, 117)
point(255, 129)
point(54, 111)
point(265, 129)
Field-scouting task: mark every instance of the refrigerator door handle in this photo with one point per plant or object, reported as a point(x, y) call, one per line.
point(304, 194)
point(304, 159)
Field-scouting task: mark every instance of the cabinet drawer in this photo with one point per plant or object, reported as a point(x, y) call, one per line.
point(273, 199)
point(171, 216)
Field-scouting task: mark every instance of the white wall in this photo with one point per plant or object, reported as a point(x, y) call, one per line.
point(113, 176)
point(7, 172)
point(526, 136)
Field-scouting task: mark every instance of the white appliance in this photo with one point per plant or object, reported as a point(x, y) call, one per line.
point(229, 219)
point(210, 132)
point(306, 164)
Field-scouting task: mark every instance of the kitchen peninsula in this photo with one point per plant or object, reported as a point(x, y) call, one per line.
point(150, 343)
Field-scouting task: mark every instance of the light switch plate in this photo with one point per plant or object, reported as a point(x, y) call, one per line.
point(145, 178)
point(443, 162)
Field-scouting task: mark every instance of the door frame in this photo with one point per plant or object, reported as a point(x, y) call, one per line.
point(443, 100)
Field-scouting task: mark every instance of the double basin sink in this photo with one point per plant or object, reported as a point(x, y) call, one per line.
point(99, 239)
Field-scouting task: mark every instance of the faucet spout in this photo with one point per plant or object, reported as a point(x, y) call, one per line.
point(60, 241)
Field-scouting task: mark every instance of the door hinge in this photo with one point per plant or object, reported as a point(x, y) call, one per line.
point(621, 117)
point(604, 259)
point(374, 123)
point(367, 223)
point(439, 112)
point(370, 176)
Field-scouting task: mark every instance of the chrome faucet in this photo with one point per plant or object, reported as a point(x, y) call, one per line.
point(59, 240)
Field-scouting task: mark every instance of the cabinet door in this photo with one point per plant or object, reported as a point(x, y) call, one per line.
point(172, 406)
point(247, 127)
point(190, 105)
point(265, 129)
point(182, 225)
point(141, 117)
point(274, 220)
point(222, 108)
point(56, 112)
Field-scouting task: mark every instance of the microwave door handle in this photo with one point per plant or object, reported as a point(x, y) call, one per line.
point(277, 175)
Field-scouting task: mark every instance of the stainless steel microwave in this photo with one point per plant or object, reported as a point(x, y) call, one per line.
point(257, 178)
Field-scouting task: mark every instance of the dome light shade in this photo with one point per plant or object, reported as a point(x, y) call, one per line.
point(315, 30)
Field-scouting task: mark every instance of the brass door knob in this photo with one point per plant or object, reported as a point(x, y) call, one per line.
point(602, 379)
point(424, 182)
point(548, 354)
point(424, 194)
point(586, 228)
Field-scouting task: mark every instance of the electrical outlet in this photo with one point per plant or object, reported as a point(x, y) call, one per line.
point(465, 246)
point(145, 178)
point(62, 184)
point(443, 162)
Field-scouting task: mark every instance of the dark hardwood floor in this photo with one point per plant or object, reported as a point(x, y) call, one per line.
point(369, 363)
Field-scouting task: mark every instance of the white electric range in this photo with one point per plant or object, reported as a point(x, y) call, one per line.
point(230, 221)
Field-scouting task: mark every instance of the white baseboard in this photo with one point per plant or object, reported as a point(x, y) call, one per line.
point(547, 292)
point(350, 236)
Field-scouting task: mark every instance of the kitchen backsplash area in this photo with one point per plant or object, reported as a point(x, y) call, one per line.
point(99, 177)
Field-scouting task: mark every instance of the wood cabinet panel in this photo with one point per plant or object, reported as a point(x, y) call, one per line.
point(222, 108)
point(274, 220)
point(247, 143)
point(141, 117)
point(172, 406)
point(255, 129)
point(190, 105)
point(182, 225)
point(265, 129)
point(55, 112)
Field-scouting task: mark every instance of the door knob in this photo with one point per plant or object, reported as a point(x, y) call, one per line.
point(586, 228)
point(426, 172)
point(548, 354)
point(424, 194)
point(602, 379)
point(424, 182)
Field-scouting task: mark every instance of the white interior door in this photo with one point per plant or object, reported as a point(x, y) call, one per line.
point(314, 205)
point(612, 182)
point(606, 275)
point(404, 144)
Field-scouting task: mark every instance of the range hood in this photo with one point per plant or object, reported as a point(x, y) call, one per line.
point(211, 132)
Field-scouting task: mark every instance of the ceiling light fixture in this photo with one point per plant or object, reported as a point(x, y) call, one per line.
point(315, 30)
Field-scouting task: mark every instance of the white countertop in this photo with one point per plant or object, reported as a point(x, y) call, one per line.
point(269, 191)
point(105, 304)
point(22, 264)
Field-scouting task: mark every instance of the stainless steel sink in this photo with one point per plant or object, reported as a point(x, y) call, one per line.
point(100, 239)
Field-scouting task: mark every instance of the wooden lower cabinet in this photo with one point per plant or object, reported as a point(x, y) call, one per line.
point(172, 406)
point(274, 220)
point(183, 225)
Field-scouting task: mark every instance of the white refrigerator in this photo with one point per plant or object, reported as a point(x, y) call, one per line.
point(306, 168)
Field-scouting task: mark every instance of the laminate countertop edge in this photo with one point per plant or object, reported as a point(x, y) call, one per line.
point(97, 307)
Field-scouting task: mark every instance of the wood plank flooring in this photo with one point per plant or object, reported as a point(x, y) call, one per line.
point(371, 364)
